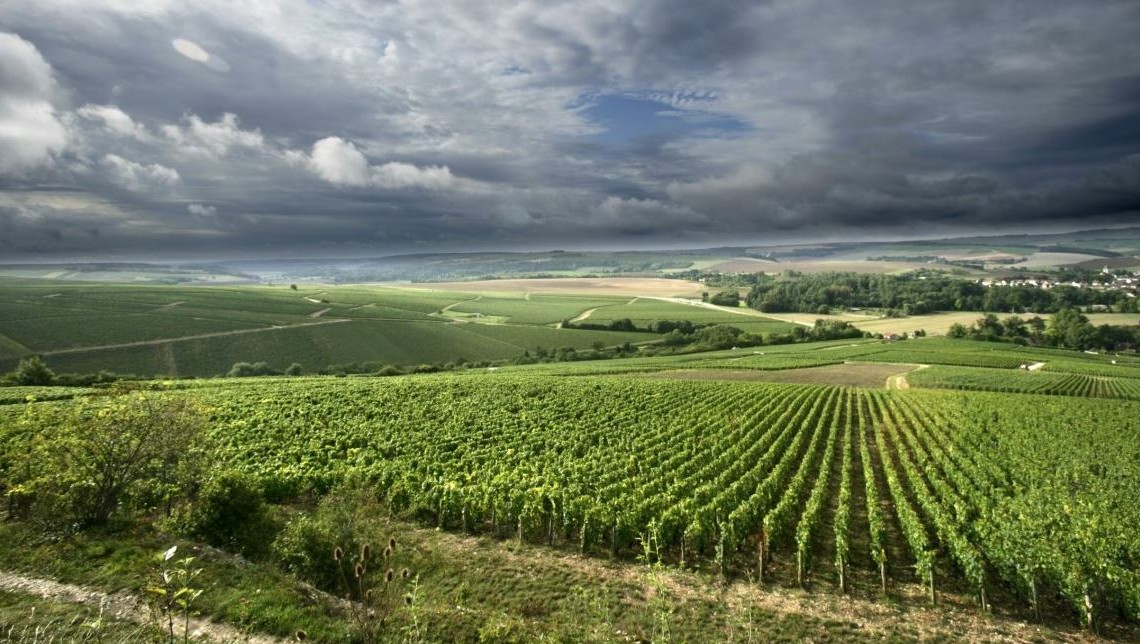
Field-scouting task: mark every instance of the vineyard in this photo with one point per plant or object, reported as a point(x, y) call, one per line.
point(1050, 383)
point(1031, 499)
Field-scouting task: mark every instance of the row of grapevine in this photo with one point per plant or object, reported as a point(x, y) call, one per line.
point(1036, 492)
point(841, 524)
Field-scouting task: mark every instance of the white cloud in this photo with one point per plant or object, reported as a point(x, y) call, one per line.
point(30, 132)
point(338, 161)
point(201, 210)
point(212, 139)
point(138, 176)
point(114, 120)
point(406, 175)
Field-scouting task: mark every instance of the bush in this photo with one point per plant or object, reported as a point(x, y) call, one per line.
point(32, 372)
point(231, 513)
point(726, 298)
point(245, 370)
point(344, 518)
point(83, 461)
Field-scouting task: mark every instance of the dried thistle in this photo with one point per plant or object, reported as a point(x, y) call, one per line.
point(338, 553)
point(301, 635)
point(365, 552)
point(388, 576)
point(404, 573)
point(358, 570)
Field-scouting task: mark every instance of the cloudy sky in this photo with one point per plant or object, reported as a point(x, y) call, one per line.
point(144, 128)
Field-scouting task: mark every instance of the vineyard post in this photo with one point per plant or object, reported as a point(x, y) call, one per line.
point(842, 565)
point(883, 569)
point(760, 543)
point(1033, 598)
point(1088, 608)
point(800, 566)
point(933, 594)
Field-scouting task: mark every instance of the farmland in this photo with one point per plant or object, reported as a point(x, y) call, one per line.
point(204, 330)
point(845, 470)
point(835, 488)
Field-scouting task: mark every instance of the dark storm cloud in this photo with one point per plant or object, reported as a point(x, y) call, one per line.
point(289, 126)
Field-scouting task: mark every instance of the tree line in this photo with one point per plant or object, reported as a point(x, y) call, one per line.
point(919, 293)
point(1066, 329)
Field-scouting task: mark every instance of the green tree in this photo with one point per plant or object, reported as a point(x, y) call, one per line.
point(1068, 328)
point(726, 298)
point(83, 461)
point(32, 372)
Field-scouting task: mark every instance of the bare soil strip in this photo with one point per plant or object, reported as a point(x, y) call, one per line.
point(317, 314)
point(584, 314)
point(121, 605)
point(144, 343)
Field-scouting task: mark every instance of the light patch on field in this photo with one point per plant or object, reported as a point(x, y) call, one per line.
point(808, 319)
point(1115, 319)
point(855, 374)
point(1038, 260)
point(819, 266)
point(648, 286)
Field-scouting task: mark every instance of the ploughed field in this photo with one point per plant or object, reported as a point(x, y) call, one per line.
point(1026, 502)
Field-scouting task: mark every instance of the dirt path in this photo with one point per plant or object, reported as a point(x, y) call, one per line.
point(121, 605)
point(1036, 366)
point(317, 314)
point(219, 334)
point(584, 314)
point(899, 381)
point(173, 304)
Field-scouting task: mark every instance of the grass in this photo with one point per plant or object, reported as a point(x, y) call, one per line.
point(254, 597)
point(470, 589)
point(643, 311)
point(316, 346)
point(537, 309)
point(29, 618)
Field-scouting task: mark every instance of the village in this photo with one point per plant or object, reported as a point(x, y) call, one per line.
point(1109, 280)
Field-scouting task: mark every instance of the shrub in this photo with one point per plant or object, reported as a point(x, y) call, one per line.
point(346, 517)
point(231, 513)
point(245, 369)
point(82, 461)
point(32, 372)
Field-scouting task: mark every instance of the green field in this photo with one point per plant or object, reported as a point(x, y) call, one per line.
point(643, 311)
point(923, 468)
point(835, 484)
point(531, 309)
point(203, 331)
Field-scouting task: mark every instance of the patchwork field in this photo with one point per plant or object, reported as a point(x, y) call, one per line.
point(203, 331)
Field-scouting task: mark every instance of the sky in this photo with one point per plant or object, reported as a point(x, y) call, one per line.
point(164, 128)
